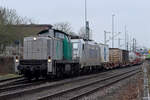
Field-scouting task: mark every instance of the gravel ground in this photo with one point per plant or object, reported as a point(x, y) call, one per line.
point(31, 96)
point(128, 89)
point(148, 72)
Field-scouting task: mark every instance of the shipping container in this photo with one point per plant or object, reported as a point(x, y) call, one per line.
point(104, 49)
point(125, 56)
point(118, 56)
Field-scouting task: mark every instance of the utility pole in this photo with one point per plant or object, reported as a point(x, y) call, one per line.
point(134, 45)
point(119, 42)
point(127, 41)
point(125, 37)
point(105, 37)
point(127, 46)
point(86, 22)
point(85, 11)
point(130, 43)
point(113, 30)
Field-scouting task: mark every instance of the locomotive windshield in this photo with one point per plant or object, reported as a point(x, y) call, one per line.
point(49, 32)
point(59, 35)
point(54, 33)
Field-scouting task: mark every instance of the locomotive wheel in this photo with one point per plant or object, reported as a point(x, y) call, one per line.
point(37, 77)
point(29, 78)
point(59, 72)
point(77, 70)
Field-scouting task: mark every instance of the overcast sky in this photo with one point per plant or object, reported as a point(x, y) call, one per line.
point(135, 14)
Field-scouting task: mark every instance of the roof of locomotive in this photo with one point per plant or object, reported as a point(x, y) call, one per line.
point(69, 35)
point(103, 44)
point(47, 30)
point(83, 41)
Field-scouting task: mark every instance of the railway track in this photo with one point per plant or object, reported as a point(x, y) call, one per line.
point(23, 83)
point(11, 81)
point(67, 87)
point(74, 93)
point(20, 85)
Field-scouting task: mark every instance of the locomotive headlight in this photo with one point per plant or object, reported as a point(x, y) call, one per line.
point(49, 59)
point(17, 60)
point(34, 38)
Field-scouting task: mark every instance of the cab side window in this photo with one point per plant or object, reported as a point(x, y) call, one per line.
point(59, 35)
point(83, 47)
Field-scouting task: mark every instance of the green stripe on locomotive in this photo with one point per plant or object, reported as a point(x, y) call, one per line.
point(67, 49)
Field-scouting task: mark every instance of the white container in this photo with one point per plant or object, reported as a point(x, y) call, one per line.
point(132, 56)
point(104, 52)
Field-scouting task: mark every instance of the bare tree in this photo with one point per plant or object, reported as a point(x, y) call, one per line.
point(82, 32)
point(8, 34)
point(10, 17)
point(64, 26)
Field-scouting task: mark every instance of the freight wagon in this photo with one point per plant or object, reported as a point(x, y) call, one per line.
point(117, 58)
point(135, 58)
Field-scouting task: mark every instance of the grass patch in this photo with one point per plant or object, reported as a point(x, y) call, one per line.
point(7, 76)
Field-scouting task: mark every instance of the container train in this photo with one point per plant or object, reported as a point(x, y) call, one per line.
point(53, 53)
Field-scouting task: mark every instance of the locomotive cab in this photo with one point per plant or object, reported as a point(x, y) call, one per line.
point(40, 53)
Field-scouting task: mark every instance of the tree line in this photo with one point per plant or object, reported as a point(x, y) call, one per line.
point(10, 35)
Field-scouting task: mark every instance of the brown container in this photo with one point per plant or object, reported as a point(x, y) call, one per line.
point(118, 56)
point(125, 56)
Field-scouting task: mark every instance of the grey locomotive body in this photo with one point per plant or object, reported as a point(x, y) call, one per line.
point(39, 54)
point(48, 54)
point(88, 53)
